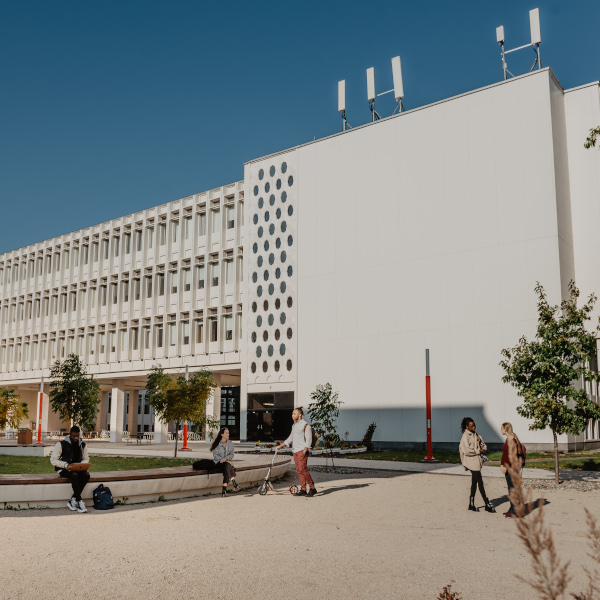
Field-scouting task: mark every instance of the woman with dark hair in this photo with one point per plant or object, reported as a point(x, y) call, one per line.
point(470, 448)
point(223, 452)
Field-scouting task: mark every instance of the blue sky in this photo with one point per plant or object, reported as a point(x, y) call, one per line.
point(111, 107)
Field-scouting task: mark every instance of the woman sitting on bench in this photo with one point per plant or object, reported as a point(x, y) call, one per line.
point(223, 452)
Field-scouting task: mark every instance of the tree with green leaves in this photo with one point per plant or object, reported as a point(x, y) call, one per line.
point(548, 371)
point(74, 394)
point(12, 410)
point(592, 138)
point(176, 399)
point(323, 411)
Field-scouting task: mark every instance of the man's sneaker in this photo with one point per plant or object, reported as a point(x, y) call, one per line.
point(312, 492)
point(81, 506)
point(300, 493)
point(72, 504)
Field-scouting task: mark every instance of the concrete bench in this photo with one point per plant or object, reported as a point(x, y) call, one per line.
point(48, 490)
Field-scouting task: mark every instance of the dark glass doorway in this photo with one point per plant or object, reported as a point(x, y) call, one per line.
point(270, 416)
point(230, 410)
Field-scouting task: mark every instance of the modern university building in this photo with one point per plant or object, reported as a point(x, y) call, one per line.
point(341, 261)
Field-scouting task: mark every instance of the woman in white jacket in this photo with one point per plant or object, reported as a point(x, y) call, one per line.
point(470, 448)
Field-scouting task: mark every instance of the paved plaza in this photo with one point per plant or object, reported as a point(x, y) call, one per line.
point(376, 534)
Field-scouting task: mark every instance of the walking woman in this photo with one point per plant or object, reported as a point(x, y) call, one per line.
point(223, 452)
point(511, 451)
point(470, 448)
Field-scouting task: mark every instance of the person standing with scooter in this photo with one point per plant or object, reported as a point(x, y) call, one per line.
point(300, 439)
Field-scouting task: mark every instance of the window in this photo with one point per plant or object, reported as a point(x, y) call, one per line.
point(173, 279)
point(172, 334)
point(63, 303)
point(230, 217)
point(92, 297)
point(136, 289)
point(187, 226)
point(150, 236)
point(148, 279)
point(105, 249)
point(159, 336)
point(201, 224)
point(134, 338)
point(162, 233)
point(175, 231)
point(228, 272)
point(199, 331)
point(114, 293)
point(91, 344)
point(80, 345)
point(75, 254)
point(95, 252)
point(185, 332)
point(56, 265)
point(200, 276)
point(66, 259)
point(216, 220)
point(36, 310)
point(123, 336)
point(102, 342)
point(116, 241)
point(146, 334)
point(125, 287)
point(213, 329)
point(229, 327)
point(112, 341)
point(138, 237)
point(214, 274)
point(160, 283)
point(86, 254)
point(103, 295)
point(73, 301)
point(46, 306)
point(187, 279)
point(127, 237)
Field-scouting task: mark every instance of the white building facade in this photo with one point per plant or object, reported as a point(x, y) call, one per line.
point(338, 261)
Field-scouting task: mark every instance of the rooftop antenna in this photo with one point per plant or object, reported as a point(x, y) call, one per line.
point(536, 40)
point(342, 104)
point(398, 88)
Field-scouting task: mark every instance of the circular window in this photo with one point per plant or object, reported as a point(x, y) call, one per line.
point(259, 291)
point(276, 365)
point(260, 232)
point(270, 350)
point(255, 219)
point(265, 366)
point(258, 351)
point(283, 196)
point(272, 170)
point(272, 199)
point(271, 258)
point(281, 318)
point(290, 302)
point(283, 167)
point(290, 240)
point(258, 321)
point(266, 305)
point(259, 261)
point(290, 271)
point(283, 226)
point(289, 333)
point(278, 184)
point(282, 287)
point(265, 335)
point(261, 174)
point(289, 365)
point(271, 289)
point(266, 245)
point(253, 337)
point(266, 275)
point(283, 256)
point(261, 202)
point(277, 273)
point(256, 190)
point(282, 349)
point(290, 210)
point(271, 229)
point(253, 367)
point(254, 277)
point(290, 181)
point(255, 248)
point(271, 320)
point(266, 215)
point(277, 214)
point(254, 307)
point(277, 304)
point(277, 334)
point(267, 187)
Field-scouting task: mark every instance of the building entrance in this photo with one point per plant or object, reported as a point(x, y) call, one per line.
point(230, 410)
point(270, 416)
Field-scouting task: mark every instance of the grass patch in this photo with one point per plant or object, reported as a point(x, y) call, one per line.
point(41, 464)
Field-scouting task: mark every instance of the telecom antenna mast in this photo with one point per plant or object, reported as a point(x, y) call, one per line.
point(536, 40)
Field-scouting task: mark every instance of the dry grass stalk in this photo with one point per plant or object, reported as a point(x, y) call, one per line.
point(448, 594)
point(593, 588)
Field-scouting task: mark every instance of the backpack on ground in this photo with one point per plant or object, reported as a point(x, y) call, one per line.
point(103, 499)
point(315, 435)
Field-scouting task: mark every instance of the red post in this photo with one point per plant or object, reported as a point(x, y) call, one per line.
point(429, 457)
point(185, 433)
point(41, 405)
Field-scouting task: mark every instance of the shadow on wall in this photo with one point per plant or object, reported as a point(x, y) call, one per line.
point(406, 427)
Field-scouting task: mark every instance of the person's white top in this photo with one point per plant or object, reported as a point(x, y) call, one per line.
point(299, 438)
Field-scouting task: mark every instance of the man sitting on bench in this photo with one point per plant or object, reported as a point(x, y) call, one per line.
point(68, 452)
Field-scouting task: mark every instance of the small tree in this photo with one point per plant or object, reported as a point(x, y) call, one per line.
point(12, 410)
point(323, 411)
point(74, 394)
point(176, 399)
point(592, 138)
point(548, 371)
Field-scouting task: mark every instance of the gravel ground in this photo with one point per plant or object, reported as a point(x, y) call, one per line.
point(547, 484)
point(366, 535)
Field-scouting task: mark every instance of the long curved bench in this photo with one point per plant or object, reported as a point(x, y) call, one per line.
point(43, 490)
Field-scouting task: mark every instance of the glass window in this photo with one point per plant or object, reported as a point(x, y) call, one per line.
point(173, 277)
point(102, 342)
point(112, 341)
point(150, 236)
point(160, 282)
point(127, 243)
point(187, 226)
point(159, 336)
point(172, 334)
point(199, 331)
point(114, 293)
point(116, 241)
point(215, 274)
point(136, 289)
point(200, 276)
point(175, 230)
point(201, 224)
point(148, 286)
point(229, 327)
point(230, 217)
point(147, 337)
point(213, 330)
point(134, 338)
point(125, 286)
point(162, 232)
point(185, 332)
point(216, 221)
point(228, 272)
point(187, 280)
point(138, 235)
point(123, 335)
point(105, 249)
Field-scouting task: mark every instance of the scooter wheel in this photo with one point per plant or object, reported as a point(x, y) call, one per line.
point(293, 489)
point(263, 489)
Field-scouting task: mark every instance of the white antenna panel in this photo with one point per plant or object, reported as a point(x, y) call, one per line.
point(534, 26)
point(500, 34)
point(342, 95)
point(370, 84)
point(397, 75)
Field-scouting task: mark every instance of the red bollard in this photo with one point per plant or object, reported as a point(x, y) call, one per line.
point(185, 432)
point(429, 457)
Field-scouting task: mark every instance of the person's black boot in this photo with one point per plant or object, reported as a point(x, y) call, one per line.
point(489, 507)
point(472, 504)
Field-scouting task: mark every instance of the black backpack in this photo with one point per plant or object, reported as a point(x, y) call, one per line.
point(103, 499)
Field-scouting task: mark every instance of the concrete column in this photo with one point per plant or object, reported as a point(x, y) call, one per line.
point(132, 418)
point(101, 423)
point(161, 432)
point(213, 405)
point(45, 412)
point(117, 408)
